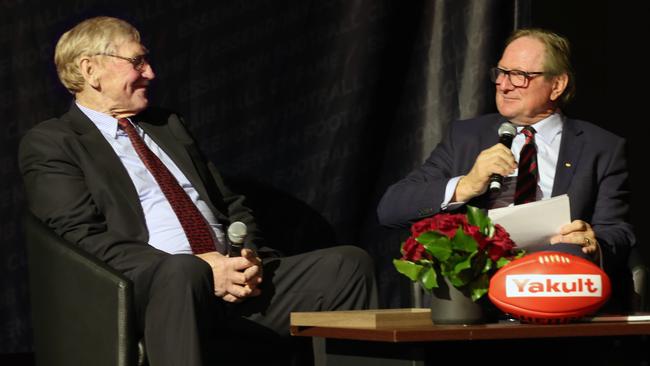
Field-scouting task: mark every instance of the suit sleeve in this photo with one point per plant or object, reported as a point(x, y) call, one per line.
point(610, 219)
point(58, 194)
point(422, 192)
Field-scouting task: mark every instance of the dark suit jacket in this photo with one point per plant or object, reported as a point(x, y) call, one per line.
point(78, 186)
point(591, 169)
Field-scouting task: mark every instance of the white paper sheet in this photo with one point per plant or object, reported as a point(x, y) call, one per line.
point(533, 223)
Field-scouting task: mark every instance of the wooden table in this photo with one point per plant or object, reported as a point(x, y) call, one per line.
point(342, 346)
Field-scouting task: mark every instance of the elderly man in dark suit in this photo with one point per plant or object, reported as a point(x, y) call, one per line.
point(128, 184)
point(533, 80)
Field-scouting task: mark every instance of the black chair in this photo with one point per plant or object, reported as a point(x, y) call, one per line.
point(638, 292)
point(82, 310)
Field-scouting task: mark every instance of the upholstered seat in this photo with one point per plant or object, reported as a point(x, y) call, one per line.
point(82, 310)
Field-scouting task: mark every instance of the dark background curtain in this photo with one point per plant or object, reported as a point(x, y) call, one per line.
point(310, 108)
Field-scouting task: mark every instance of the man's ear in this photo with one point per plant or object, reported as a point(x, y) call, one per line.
point(559, 85)
point(89, 71)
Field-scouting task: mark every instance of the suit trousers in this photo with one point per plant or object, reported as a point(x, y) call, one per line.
point(186, 324)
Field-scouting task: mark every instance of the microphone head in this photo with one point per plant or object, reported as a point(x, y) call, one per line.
point(237, 232)
point(507, 129)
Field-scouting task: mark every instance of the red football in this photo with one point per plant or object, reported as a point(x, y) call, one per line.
point(549, 287)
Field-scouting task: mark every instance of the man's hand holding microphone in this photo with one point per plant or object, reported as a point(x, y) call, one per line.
point(238, 275)
point(490, 167)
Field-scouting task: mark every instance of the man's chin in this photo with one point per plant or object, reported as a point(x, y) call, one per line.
point(142, 104)
point(506, 108)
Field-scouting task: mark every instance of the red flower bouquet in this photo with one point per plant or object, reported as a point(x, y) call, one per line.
point(465, 248)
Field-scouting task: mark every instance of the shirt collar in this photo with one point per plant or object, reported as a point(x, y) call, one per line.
point(107, 124)
point(548, 128)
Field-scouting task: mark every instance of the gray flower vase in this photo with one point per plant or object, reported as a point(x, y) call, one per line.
point(450, 305)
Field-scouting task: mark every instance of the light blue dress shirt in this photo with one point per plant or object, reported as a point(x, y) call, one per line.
point(165, 231)
point(547, 141)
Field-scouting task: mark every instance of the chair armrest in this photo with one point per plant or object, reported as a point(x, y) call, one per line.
point(82, 309)
point(640, 272)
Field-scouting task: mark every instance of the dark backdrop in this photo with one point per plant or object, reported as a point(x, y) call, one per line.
point(311, 108)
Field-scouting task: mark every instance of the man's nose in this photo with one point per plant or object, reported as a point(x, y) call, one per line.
point(504, 83)
point(147, 72)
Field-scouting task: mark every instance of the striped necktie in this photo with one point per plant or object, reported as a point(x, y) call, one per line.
point(527, 172)
point(199, 234)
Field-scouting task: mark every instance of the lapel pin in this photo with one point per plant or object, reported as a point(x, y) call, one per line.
point(568, 165)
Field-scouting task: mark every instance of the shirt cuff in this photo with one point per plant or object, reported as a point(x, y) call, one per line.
point(446, 205)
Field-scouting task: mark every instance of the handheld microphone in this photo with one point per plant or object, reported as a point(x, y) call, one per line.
point(507, 132)
point(236, 234)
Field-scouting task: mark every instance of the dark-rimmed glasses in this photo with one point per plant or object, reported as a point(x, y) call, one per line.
point(138, 62)
point(517, 78)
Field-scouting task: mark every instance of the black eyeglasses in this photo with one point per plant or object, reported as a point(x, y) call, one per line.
point(138, 62)
point(517, 78)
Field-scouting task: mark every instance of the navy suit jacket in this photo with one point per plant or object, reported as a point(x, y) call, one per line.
point(591, 169)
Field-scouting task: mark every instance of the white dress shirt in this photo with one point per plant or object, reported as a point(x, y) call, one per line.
point(165, 231)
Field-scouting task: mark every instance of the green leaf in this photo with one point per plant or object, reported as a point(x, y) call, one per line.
point(429, 278)
point(408, 269)
point(476, 217)
point(460, 279)
point(447, 267)
point(466, 263)
point(439, 246)
point(479, 287)
point(428, 237)
point(502, 262)
point(464, 242)
point(490, 231)
point(488, 266)
point(461, 268)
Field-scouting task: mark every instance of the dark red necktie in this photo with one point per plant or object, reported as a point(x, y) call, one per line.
point(198, 232)
point(527, 172)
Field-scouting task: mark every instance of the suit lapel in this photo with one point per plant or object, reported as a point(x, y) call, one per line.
point(94, 142)
point(568, 158)
point(176, 147)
